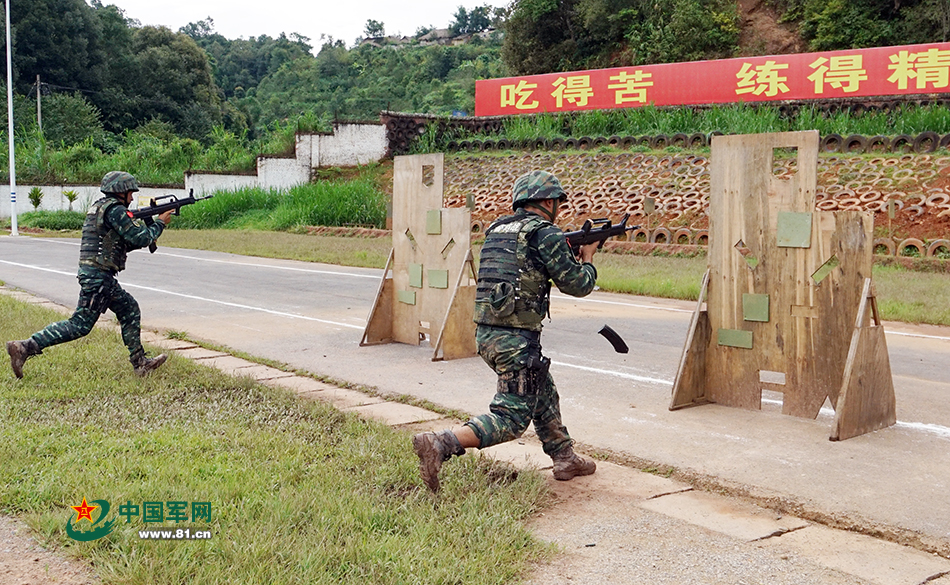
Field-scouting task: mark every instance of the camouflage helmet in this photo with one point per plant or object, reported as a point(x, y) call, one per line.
point(118, 182)
point(536, 186)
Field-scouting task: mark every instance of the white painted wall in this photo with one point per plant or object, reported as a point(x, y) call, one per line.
point(281, 173)
point(53, 198)
point(349, 145)
point(206, 183)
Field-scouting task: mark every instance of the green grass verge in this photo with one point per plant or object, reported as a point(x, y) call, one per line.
point(365, 252)
point(300, 493)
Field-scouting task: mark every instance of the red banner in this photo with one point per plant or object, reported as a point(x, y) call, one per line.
point(881, 71)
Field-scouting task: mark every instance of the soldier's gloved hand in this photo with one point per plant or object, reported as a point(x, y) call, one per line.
point(586, 253)
point(166, 217)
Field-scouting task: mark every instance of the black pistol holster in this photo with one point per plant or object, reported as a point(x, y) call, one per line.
point(527, 381)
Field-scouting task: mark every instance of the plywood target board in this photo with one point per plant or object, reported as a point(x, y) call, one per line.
point(783, 290)
point(431, 265)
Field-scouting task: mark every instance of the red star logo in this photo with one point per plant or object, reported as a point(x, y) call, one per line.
point(84, 511)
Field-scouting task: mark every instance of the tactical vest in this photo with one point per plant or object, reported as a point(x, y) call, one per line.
point(101, 247)
point(513, 289)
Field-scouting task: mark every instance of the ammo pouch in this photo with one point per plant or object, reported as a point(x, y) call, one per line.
point(99, 300)
point(501, 299)
point(527, 381)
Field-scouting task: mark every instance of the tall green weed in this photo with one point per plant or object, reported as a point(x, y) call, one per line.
point(325, 203)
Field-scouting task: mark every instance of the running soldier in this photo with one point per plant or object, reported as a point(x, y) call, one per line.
point(522, 254)
point(108, 234)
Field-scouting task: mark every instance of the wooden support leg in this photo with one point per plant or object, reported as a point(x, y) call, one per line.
point(866, 401)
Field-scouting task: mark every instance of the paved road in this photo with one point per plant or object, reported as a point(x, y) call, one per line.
point(311, 316)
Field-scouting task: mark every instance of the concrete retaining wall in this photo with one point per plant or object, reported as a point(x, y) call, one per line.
point(349, 145)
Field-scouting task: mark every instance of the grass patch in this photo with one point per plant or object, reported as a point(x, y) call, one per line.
point(364, 252)
point(665, 277)
point(326, 203)
point(300, 492)
point(911, 296)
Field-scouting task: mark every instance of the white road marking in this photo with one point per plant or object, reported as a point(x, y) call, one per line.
point(37, 268)
point(256, 265)
point(615, 373)
point(205, 299)
point(939, 430)
point(564, 297)
point(921, 335)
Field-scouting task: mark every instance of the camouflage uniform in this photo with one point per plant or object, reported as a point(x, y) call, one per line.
point(522, 254)
point(508, 335)
point(108, 234)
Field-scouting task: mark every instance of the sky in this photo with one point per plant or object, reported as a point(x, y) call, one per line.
point(343, 20)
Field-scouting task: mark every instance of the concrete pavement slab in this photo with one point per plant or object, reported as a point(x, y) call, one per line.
point(521, 453)
point(172, 344)
point(200, 353)
point(261, 373)
point(436, 424)
point(227, 363)
point(624, 482)
point(343, 398)
point(300, 384)
point(737, 519)
point(880, 562)
point(394, 413)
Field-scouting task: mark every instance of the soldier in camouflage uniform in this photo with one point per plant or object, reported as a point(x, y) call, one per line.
point(108, 234)
point(522, 254)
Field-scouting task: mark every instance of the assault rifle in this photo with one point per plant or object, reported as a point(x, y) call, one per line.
point(160, 205)
point(588, 235)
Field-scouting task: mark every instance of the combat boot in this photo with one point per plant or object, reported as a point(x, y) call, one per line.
point(20, 351)
point(144, 365)
point(568, 465)
point(433, 449)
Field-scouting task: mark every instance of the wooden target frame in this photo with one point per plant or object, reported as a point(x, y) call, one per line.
point(428, 285)
point(790, 306)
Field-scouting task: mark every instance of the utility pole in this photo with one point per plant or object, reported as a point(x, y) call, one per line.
point(39, 103)
point(13, 226)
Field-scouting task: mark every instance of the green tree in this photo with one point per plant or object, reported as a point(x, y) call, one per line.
point(476, 21)
point(561, 35)
point(683, 30)
point(374, 29)
point(36, 197)
point(927, 22)
point(541, 36)
point(61, 40)
point(173, 81)
point(240, 65)
point(69, 119)
point(848, 24)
